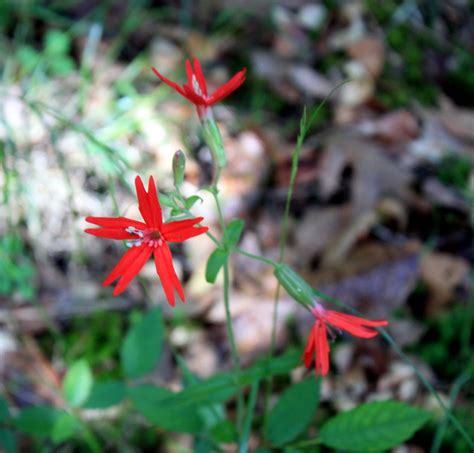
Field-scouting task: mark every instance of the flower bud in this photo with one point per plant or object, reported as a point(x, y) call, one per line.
point(179, 164)
point(213, 139)
point(295, 286)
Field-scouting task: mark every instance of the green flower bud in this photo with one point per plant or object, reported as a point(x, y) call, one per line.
point(179, 164)
point(213, 139)
point(295, 286)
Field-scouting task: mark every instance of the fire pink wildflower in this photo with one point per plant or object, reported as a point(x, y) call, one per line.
point(195, 90)
point(146, 238)
point(317, 345)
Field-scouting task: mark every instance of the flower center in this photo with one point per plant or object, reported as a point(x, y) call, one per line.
point(150, 237)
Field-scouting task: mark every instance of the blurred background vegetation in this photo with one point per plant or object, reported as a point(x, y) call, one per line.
point(382, 216)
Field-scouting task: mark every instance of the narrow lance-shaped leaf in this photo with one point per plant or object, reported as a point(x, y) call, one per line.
point(214, 264)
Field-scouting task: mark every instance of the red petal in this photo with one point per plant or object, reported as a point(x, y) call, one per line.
point(200, 76)
point(133, 269)
point(189, 74)
point(230, 86)
point(143, 203)
point(128, 258)
point(116, 222)
point(194, 97)
point(184, 235)
point(176, 225)
point(110, 233)
point(322, 349)
point(181, 230)
point(167, 274)
point(309, 349)
point(154, 203)
point(168, 82)
point(352, 324)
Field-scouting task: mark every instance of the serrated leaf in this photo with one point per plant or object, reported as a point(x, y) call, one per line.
point(37, 420)
point(77, 383)
point(233, 231)
point(106, 394)
point(192, 200)
point(293, 412)
point(149, 401)
point(216, 260)
point(374, 426)
point(7, 441)
point(141, 348)
point(64, 428)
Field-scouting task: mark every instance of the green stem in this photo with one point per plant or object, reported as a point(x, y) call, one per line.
point(262, 259)
point(438, 439)
point(244, 439)
point(233, 345)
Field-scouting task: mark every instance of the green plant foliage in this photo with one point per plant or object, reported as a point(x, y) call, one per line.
point(142, 346)
point(77, 384)
point(4, 411)
point(214, 264)
point(232, 233)
point(106, 394)
point(64, 428)
point(100, 347)
point(16, 268)
point(149, 400)
point(293, 412)
point(373, 426)
point(224, 432)
point(7, 441)
point(37, 421)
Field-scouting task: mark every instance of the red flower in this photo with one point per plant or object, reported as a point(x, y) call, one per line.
point(195, 90)
point(145, 238)
point(317, 345)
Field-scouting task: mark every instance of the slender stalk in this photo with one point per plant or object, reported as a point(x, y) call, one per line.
point(438, 439)
point(233, 345)
point(244, 439)
point(305, 125)
point(262, 259)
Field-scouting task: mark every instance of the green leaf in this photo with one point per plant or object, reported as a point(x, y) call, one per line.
point(166, 200)
point(141, 348)
point(216, 260)
point(4, 411)
point(77, 383)
point(293, 412)
point(233, 232)
point(191, 201)
point(374, 426)
point(106, 394)
point(224, 432)
point(37, 420)
point(56, 43)
point(64, 428)
point(224, 386)
point(149, 401)
point(7, 441)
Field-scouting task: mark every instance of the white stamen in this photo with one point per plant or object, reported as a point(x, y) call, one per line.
point(196, 87)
